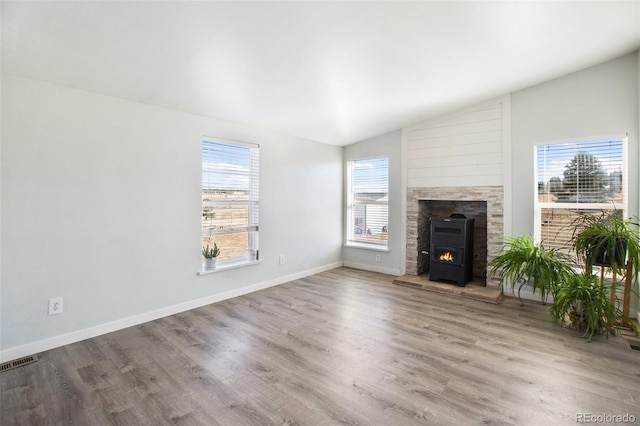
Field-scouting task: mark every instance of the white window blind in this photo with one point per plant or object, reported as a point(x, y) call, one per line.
point(368, 201)
point(230, 197)
point(577, 178)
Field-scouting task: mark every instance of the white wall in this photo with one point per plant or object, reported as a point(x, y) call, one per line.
point(598, 101)
point(101, 206)
point(391, 262)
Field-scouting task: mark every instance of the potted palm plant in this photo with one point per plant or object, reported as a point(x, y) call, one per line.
point(525, 262)
point(210, 255)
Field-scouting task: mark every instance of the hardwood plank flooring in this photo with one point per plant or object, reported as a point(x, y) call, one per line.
point(341, 347)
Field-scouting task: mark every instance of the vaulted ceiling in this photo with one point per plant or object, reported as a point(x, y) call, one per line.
point(335, 72)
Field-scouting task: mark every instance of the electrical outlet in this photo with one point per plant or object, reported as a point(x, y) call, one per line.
point(281, 259)
point(377, 258)
point(55, 306)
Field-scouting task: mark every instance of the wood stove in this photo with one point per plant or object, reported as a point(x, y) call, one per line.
point(451, 251)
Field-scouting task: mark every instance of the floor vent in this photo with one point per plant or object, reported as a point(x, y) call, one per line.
point(5, 366)
point(632, 343)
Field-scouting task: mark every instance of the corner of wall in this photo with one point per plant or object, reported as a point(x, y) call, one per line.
point(638, 112)
point(507, 181)
point(403, 202)
point(1, 321)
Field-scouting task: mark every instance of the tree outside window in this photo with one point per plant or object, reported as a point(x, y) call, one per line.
point(573, 179)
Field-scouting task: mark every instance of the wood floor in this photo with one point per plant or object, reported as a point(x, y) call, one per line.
point(340, 347)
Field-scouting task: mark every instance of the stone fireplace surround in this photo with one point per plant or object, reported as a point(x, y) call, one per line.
point(492, 195)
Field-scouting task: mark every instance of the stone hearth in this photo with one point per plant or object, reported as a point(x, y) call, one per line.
point(470, 291)
point(455, 198)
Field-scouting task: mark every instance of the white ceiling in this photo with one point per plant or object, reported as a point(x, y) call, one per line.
point(335, 72)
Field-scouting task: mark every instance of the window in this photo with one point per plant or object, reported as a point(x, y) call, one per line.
point(368, 202)
point(230, 199)
point(574, 179)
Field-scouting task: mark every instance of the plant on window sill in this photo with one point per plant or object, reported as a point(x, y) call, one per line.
point(210, 255)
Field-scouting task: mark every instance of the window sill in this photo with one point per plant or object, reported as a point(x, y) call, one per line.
point(365, 246)
point(228, 265)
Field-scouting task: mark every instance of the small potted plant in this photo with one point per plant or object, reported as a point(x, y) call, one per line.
point(210, 255)
point(525, 262)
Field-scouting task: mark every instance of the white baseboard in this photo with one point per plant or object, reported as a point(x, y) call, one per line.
point(526, 294)
point(367, 267)
point(87, 333)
